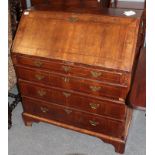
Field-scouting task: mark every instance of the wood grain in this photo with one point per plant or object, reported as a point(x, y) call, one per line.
point(47, 68)
point(137, 97)
point(74, 117)
point(62, 41)
point(78, 101)
point(77, 84)
point(75, 69)
point(138, 92)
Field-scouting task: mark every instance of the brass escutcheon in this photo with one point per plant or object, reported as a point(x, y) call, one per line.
point(95, 88)
point(68, 111)
point(66, 94)
point(94, 105)
point(72, 19)
point(39, 77)
point(66, 79)
point(66, 68)
point(41, 93)
point(38, 63)
point(43, 109)
point(96, 74)
point(93, 123)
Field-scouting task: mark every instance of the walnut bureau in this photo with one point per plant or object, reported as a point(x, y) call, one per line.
point(75, 70)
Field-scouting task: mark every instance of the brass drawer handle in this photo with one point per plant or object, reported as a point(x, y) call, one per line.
point(44, 110)
point(72, 19)
point(66, 94)
point(94, 105)
point(68, 111)
point(95, 88)
point(38, 63)
point(41, 93)
point(39, 77)
point(95, 74)
point(66, 68)
point(65, 79)
point(93, 123)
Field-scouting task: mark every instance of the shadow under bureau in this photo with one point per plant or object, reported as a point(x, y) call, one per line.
point(75, 70)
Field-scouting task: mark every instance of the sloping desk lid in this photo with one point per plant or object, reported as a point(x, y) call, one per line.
point(92, 39)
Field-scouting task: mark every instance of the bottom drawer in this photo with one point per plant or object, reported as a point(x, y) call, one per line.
point(73, 117)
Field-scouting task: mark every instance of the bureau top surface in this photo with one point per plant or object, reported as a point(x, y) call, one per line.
point(93, 39)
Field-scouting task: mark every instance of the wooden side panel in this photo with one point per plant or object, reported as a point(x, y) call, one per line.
point(138, 92)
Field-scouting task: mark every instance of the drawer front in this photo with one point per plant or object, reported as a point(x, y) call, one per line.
point(33, 75)
point(88, 86)
point(72, 83)
point(104, 107)
point(73, 69)
point(72, 117)
point(47, 94)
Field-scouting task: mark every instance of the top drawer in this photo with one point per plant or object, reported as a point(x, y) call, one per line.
point(72, 69)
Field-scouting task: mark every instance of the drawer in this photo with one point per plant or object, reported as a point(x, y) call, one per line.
point(73, 83)
point(88, 86)
point(44, 93)
point(105, 107)
point(35, 75)
point(73, 69)
point(72, 117)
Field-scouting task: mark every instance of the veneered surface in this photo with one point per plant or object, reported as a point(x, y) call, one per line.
point(98, 40)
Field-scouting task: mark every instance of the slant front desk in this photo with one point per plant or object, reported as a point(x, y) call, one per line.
point(75, 70)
